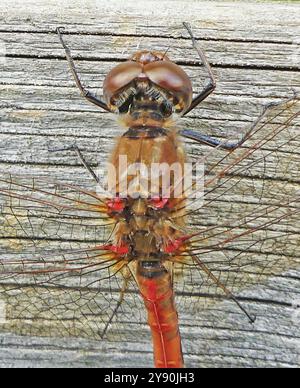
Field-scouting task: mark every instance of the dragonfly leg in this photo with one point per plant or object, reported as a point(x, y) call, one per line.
point(211, 86)
point(127, 276)
point(207, 140)
point(76, 149)
point(84, 92)
point(222, 286)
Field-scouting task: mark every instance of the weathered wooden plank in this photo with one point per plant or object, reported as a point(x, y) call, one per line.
point(108, 48)
point(220, 20)
point(254, 49)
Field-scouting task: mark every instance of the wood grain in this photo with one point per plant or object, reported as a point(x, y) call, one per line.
point(255, 54)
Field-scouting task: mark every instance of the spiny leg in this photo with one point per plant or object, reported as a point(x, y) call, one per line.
point(212, 82)
point(84, 92)
point(207, 140)
point(127, 277)
point(76, 149)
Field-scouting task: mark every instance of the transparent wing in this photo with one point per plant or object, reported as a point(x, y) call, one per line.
point(248, 224)
point(55, 279)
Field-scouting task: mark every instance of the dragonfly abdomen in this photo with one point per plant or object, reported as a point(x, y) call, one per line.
point(157, 291)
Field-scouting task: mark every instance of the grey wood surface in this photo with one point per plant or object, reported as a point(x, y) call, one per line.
point(255, 53)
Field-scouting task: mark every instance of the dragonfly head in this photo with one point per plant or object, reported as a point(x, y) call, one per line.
point(149, 76)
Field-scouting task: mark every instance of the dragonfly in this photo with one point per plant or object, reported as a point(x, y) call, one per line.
point(78, 263)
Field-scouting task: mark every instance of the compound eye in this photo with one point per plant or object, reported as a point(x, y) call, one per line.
point(119, 77)
point(173, 79)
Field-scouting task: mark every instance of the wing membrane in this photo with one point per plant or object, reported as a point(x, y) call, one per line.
point(55, 280)
point(248, 224)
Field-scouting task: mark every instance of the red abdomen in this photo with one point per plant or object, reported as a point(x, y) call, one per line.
point(157, 292)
